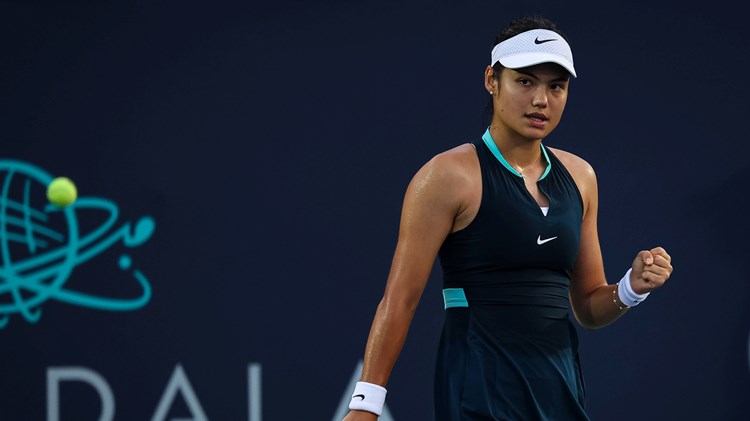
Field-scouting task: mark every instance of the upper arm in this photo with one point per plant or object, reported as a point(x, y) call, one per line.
point(588, 270)
point(431, 203)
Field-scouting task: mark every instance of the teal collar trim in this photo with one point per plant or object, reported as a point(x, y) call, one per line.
point(490, 142)
point(549, 164)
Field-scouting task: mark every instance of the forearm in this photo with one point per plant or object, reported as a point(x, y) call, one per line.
point(387, 336)
point(599, 308)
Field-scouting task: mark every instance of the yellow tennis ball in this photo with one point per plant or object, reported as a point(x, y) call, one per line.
point(62, 192)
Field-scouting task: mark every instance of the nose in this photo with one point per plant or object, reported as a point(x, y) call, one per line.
point(540, 98)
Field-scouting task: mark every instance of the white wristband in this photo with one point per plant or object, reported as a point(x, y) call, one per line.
point(626, 293)
point(368, 397)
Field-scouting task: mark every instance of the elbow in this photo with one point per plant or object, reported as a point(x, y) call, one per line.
point(401, 299)
point(585, 317)
point(588, 308)
point(587, 323)
point(400, 306)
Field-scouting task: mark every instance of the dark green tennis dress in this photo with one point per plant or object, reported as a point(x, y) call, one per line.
point(508, 350)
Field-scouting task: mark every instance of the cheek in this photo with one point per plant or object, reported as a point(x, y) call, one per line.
point(503, 104)
point(560, 107)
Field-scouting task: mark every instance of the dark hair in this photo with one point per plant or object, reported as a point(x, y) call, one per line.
point(515, 27)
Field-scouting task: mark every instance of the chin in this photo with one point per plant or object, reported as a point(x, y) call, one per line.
point(534, 134)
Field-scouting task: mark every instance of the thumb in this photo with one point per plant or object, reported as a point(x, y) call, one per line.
point(644, 257)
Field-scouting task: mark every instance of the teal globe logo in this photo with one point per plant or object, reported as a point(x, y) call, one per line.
point(41, 245)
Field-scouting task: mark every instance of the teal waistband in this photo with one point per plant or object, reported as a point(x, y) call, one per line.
point(454, 297)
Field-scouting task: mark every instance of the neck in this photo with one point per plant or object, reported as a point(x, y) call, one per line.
point(515, 148)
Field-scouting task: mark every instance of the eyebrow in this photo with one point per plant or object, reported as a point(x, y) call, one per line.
point(559, 79)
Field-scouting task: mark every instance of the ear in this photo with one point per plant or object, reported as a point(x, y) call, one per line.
point(490, 82)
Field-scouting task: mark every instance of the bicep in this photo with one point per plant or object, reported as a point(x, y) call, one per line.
point(428, 211)
point(588, 271)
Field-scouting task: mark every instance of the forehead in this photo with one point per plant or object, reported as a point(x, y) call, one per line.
point(544, 71)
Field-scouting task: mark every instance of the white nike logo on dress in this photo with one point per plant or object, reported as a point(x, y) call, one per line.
point(540, 241)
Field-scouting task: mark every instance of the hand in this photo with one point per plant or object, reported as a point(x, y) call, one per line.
point(356, 415)
point(651, 268)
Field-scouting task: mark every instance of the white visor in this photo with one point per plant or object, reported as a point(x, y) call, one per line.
point(534, 47)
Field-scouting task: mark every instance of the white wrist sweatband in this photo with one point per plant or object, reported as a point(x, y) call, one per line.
point(368, 397)
point(626, 293)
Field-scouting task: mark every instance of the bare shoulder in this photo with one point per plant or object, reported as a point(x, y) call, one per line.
point(450, 176)
point(579, 168)
point(452, 166)
point(457, 157)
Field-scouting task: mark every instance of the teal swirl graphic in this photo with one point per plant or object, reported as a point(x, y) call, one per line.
point(37, 257)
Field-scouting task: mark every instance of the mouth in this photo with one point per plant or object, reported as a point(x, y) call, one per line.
point(537, 119)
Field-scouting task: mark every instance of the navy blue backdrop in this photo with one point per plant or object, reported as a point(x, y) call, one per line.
point(241, 167)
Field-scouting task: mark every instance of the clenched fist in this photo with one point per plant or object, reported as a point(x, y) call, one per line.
point(651, 268)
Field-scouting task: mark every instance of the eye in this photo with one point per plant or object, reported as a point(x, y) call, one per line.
point(525, 82)
point(558, 86)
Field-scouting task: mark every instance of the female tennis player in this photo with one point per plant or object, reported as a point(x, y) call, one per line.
point(514, 223)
